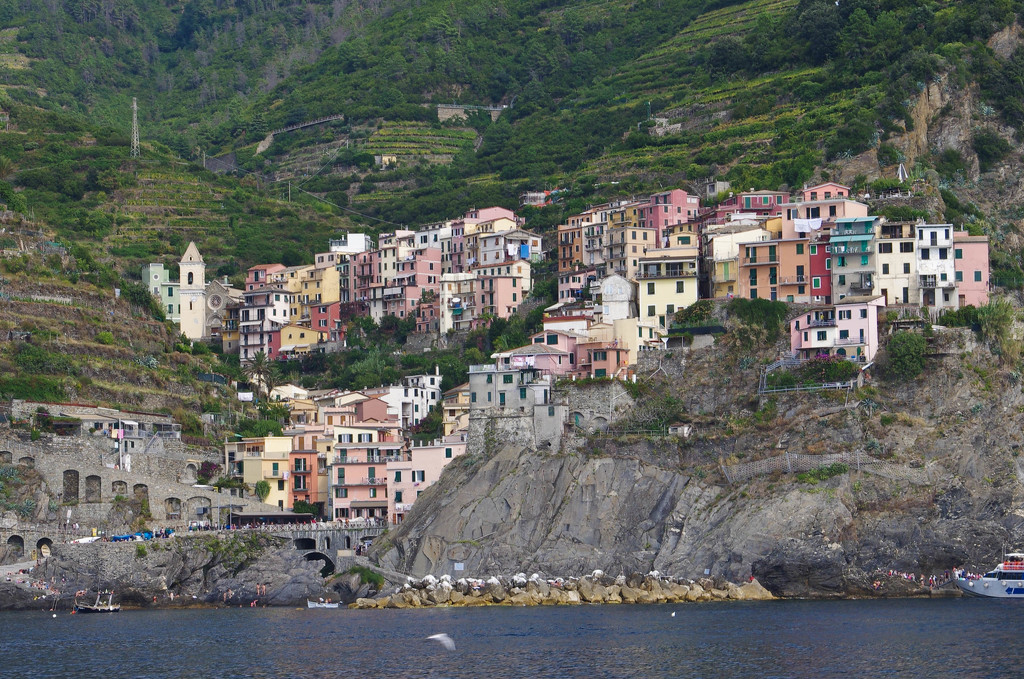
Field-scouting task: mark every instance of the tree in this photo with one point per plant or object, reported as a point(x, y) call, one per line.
point(261, 372)
point(996, 320)
point(262, 490)
point(7, 168)
point(906, 354)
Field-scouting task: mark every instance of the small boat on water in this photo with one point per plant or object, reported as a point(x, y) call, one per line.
point(100, 606)
point(321, 604)
point(1006, 581)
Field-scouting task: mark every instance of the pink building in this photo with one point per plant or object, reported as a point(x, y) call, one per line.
point(972, 268)
point(564, 340)
point(326, 318)
point(748, 203)
point(498, 294)
point(848, 328)
point(258, 276)
point(409, 476)
point(548, 360)
point(418, 272)
point(666, 209)
point(824, 191)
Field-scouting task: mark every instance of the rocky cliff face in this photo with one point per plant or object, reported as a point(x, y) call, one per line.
point(943, 490)
point(233, 569)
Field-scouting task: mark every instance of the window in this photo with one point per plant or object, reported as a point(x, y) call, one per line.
point(831, 210)
point(842, 279)
point(507, 379)
point(683, 240)
point(844, 314)
point(472, 397)
point(551, 339)
point(958, 253)
point(822, 335)
point(925, 253)
point(418, 476)
point(828, 264)
point(670, 309)
point(680, 285)
point(447, 452)
point(398, 476)
point(373, 492)
point(885, 248)
point(650, 288)
point(651, 311)
point(814, 249)
point(977, 276)
point(943, 253)
point(885, 269)
point(844, 334)
point(959, 276)
point(190, 278)
point(841, 261)
point(863, 260)
point(906, 247)
point(815, 283)
point(280, 485)
point(799, 248)
point(906, 267)
point(398, 497)
point(501, 398)
point(863, 313)
point(490, 378)
point(522, 393)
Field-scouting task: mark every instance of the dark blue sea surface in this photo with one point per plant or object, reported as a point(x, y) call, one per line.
point(891, 638)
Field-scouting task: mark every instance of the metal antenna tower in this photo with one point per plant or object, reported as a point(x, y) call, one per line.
point(135, 128)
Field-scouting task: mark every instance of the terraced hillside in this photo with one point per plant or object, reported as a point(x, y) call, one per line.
point(409, 141)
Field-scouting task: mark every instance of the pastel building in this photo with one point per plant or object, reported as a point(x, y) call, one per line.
point(311, 447)
point(972, 268)
point(896, 277)
point(408, 476)
point(722, 248)
point(456, 409)
point(158, 279)
point(265, 458)
point(849, 328)
point(666, 282)
point(853, 246)
point(936, 266)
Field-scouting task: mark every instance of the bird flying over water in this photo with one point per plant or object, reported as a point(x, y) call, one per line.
point(444, 640)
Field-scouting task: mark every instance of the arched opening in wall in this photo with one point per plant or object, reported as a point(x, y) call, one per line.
point(328, 566)
point(70, 485)
point(172, 508)
point(578, 419)
point(43, 547)
point(93, 488)
point(27, 461)
point(198, 509)
point(600, 423)
point(348, 542)
point(6, 457)
point(16, 545)
point(119, 488)
point(305, 543)
point(327, 543)
point(190, 474)
point(141, 492)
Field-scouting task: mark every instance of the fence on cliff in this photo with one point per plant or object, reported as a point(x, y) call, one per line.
point(795, 463)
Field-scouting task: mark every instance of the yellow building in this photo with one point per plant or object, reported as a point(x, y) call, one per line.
point(666, 282)
point(298, 339)
point(456, 409)
point(265, 459)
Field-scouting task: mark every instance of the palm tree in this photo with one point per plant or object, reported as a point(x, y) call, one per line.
point(258, 370)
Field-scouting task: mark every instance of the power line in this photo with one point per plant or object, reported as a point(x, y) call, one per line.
point(355, 212)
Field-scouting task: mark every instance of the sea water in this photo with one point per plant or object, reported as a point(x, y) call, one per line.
point(877, 638)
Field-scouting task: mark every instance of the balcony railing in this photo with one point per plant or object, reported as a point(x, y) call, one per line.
point(862, 285)
point(671, 273)
point(794, 280)
point(822, 323)
point(403, 506)
point(375, 481)
point(934, 282)
point(847, 341)
point(852, 249)
point(761, 260)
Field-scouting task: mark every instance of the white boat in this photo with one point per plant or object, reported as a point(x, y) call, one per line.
point(100, 606)
point(321, 604)
point(1006, 581)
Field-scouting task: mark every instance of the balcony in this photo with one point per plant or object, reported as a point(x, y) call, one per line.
point(852, 249)
point(794, 280)
point(822, 323)
point(931, 282)
point(761, 260)
point(688, 272)
point(849, 341)
point(403, 507)
point(375, 481)
point(863, 284)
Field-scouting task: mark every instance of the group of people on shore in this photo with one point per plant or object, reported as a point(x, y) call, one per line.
point(929, 581)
